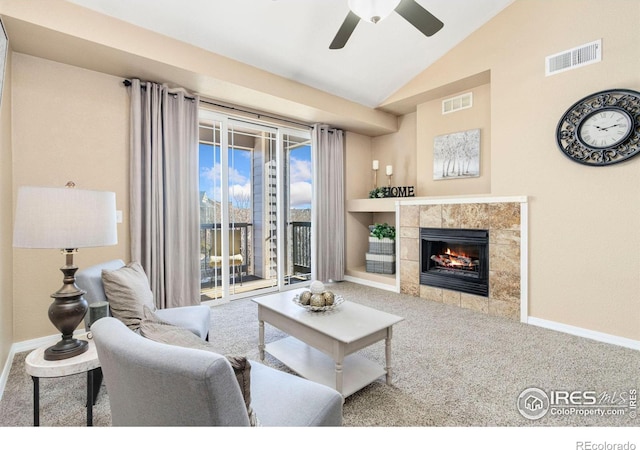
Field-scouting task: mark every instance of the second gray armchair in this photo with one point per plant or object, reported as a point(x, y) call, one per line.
point(195, 318)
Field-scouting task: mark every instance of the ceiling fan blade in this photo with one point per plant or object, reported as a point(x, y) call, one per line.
point(416, 15)
point(345, 31)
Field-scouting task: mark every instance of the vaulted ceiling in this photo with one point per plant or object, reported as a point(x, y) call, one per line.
point(291, 38)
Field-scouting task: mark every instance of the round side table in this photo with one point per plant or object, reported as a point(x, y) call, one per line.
point(88, 362)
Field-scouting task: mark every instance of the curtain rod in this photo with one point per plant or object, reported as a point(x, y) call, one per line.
point(127, 83)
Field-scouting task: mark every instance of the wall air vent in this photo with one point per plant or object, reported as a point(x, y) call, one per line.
point(453, 104)
point(576, 57)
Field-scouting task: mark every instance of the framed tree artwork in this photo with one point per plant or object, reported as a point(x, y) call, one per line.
point(456, 155)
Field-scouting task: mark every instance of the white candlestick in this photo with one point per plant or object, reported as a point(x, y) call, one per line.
point(375, 164)
point(389, 170)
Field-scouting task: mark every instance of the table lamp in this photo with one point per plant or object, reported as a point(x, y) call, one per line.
point(65, 219)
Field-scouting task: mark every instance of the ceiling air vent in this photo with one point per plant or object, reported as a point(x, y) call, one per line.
point(453, 104)
point(576, 57)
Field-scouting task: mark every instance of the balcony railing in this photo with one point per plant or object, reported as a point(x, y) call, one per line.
point(300, 251)
point(208, 249)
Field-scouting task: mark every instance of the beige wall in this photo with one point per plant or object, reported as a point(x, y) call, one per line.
point(6, 220)
point(397, 150)
point(433, 123)
point(68, 124)
point(584, 268)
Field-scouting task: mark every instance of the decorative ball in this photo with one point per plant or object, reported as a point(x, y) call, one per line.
point(317, 287)
point(305, 298)
point(329, 298)
point(317, 300)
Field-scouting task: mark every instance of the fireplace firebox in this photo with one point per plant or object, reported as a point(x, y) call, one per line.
point(456, 259)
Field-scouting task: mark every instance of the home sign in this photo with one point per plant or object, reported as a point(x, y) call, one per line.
point(399, 191)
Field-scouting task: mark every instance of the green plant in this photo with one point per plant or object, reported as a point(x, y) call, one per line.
point(384, 230)
point(378, 192)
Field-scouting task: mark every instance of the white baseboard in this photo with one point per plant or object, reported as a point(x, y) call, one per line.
point(585, 333)
point(5, 372)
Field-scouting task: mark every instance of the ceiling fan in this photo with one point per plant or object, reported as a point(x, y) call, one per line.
point(375, 10)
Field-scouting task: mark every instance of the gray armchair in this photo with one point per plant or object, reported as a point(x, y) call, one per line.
point(156, 384)
point(195, 318)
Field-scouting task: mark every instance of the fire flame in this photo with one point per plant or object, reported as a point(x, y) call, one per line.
point(454, 260)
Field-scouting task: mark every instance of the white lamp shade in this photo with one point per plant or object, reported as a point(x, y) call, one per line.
point(373, 10)
point(64, 218)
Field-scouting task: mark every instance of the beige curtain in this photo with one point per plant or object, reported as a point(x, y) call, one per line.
point(328, 156)
point(164, 192)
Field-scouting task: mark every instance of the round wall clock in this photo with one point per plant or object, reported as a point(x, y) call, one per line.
point(602, 128)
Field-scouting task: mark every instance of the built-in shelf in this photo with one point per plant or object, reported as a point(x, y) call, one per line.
point(359, 274)
point(371, 205)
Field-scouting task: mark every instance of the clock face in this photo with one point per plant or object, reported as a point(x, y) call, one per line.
point(605, 128)
point(602, 128)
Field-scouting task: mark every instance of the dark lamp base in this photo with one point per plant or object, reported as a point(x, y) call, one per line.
point(66, 349)
point(66, 312)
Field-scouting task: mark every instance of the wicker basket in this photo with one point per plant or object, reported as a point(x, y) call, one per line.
point(384, 246)
point(376, 263)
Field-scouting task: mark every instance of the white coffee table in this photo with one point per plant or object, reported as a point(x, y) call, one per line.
point(321, 345)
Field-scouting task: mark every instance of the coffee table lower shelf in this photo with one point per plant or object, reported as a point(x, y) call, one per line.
point(314, 365)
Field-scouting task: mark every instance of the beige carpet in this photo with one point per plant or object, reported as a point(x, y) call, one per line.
point(453, 367)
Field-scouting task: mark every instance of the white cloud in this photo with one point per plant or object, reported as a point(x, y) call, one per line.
point(236, 177)
point(300, 170)
point(240, 190)
point(240, 185)
point(300, 194)
point(240, 195)
point(213, 174)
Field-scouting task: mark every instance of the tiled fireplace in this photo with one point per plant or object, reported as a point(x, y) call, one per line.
point(501, 219)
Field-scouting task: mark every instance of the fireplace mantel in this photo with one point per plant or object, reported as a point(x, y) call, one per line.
point(458, 200)
point(391, 204)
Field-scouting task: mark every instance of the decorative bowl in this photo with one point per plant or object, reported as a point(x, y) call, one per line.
point(336, 302)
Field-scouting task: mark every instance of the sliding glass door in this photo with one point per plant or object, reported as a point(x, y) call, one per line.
point(249, 186)
point(297, 200)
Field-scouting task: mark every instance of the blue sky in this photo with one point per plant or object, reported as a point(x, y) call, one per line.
point(240, 175)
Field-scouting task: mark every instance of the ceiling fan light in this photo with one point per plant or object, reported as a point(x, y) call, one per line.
point(373, 10)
